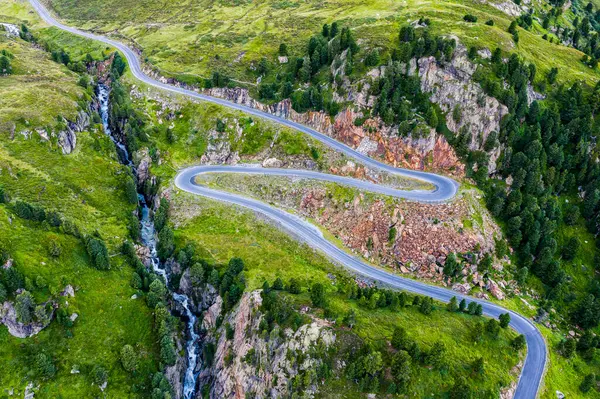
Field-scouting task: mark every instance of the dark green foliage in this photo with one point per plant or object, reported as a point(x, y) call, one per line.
point(462, 305)
point(3, 293)
point(131, 190)
point(477, 332)
point(567, 347)
point(166, 243)
point(157, 293)
point(451, 265)
point(571, 248)
point(470, 18)
point(164, 324)
point(571, 215)
point(400, 339)
point(426, 306)
point(24, 307)
point(232, 284)
point(478, 366)
point(492, 327)
point(98, 375)
point(489, 22)
point(485, 264)
point(118, 66)
point(317, 295)
point(278, 311)
point(436, 357)
point(5, 67)
point(162, 214)
point(504, 320)
point(129, 359)
point(278, 284)
point(61, 57)
point(43, 366)
point(461, 390)
point(229, 331)
point(452, 305)
point(401, 367)
point(588, 382)
point(30, 212)
point(283, 51)
point(98, 253)
point(587, 312)
point(519, 342)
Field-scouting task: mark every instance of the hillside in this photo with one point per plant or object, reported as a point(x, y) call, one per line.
point(502, 97)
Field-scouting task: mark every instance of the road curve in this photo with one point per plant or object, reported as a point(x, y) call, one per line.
point(535, 362)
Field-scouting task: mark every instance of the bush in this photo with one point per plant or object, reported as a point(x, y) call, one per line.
point(587, 383)
point(99, 375)
point(44, 366)
point(504, 320)
point(489, 22)
point(470, 18)
point(571, 248)
point(317, 295)
point(97, 251)
point(128, 358)
point(519, 342)
point(294, 286)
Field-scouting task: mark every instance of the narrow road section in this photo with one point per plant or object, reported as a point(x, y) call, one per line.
point(446, 188)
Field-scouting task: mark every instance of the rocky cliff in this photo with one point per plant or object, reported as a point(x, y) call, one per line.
point(252, 364)
point(451, 86)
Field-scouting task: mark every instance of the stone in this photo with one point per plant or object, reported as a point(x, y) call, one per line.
point(272, 163)
point(8, 317)
point(68, 291)
point(560, 395)
point(495, 290)
point(67, 140)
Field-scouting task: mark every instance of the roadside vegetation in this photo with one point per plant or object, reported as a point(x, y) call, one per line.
point(548, 213)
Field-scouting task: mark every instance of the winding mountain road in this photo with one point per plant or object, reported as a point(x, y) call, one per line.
point(446, 188)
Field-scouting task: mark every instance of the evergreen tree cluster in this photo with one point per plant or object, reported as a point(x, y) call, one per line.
point(548, 151)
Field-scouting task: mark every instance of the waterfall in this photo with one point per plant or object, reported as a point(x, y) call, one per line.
point(148, 235)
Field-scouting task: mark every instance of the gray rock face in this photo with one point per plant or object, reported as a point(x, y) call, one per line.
point(270, 373)
point(218, 150)
point(10, 29)
point(143, 161)
point(67, 140)
point(452, 87)
point(8, 317)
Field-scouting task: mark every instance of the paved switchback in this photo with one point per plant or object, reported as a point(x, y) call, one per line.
point(445, 189)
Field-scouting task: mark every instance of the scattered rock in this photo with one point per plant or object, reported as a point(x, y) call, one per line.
point(495, 290)
point(68, 291)
point(8, 317)
point(272, 163)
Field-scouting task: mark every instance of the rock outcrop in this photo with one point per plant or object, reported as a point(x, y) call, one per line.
point(8, 317)
point(252, 365)
point(467, 106)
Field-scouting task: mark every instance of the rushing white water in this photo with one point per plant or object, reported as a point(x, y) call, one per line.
point(148, 234)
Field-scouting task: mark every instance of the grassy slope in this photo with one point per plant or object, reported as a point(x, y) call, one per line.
point(306, 20)
point(85, 187)
point(199, 37)
point(221, 232)
point(34, 73)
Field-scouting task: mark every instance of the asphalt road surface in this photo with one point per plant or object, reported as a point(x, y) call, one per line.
point(446, 188)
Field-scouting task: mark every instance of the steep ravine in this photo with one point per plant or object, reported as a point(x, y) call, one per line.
point(148, 237)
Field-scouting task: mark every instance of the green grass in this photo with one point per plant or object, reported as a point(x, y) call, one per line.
point(192, 39)
point(220, 232)
point(108, 317)
point(85, 187)
point(37, 91)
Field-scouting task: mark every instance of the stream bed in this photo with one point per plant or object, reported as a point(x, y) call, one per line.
point(148, 237)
